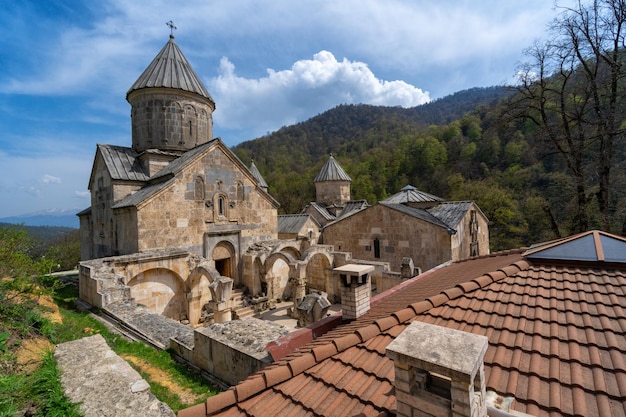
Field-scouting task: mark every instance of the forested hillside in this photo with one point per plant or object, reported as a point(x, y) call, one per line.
point(465, 146)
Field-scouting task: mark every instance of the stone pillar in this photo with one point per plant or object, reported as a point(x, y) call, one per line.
point(298, 291)
point(439, 372)
point(221, 290)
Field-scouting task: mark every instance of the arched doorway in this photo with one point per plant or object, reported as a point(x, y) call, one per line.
point(224, 258)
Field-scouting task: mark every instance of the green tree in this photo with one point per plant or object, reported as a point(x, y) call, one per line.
point(508, 224)
point(573, 88)
point(20, 277)
point(66, 251)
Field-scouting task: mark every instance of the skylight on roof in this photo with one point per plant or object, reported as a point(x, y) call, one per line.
point(593, 246)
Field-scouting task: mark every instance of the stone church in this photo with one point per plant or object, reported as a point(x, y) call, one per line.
point(176, 186)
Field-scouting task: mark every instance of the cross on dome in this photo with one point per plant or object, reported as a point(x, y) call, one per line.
point(172, 27)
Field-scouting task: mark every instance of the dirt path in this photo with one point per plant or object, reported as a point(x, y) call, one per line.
point(53, 313)
point(31, 353)
point(164, 379)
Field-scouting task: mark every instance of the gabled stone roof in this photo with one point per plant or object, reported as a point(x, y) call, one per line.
point(450, 212)
point(353, 206)
point(332, 171)
point(164, 177)
point(321, 210)
point(293, 223)
point(421, 214)
point(170, 69)
point(556, 343)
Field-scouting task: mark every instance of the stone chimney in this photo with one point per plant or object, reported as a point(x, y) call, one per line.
point(356, 289)
point(439, 372)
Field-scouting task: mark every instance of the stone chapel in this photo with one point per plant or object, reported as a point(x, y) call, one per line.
point(177, 185)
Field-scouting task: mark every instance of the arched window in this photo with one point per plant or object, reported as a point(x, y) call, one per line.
point(221, 206)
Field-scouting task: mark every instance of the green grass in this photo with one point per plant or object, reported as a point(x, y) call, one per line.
point(41, 392)
point(79, 324)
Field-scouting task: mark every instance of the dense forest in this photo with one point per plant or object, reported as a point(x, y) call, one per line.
point(463, 147)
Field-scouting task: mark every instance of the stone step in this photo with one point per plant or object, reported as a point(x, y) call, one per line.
point(243, 312)
point(237, 297)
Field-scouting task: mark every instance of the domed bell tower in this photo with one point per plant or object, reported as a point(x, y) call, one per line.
point(172, 111)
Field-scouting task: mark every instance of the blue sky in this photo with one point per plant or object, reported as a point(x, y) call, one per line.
point(66, 66)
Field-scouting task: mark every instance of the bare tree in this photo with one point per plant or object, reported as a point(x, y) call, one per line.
point(573, 88)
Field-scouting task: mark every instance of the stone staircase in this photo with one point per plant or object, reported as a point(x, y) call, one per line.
point(239, 311)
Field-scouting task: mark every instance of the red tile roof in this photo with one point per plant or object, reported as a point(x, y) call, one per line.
point(557, 343)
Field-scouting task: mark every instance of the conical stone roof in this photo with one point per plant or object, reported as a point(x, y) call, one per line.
point(332, 171)
point(170, 69)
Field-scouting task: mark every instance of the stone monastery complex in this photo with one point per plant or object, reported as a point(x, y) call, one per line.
point(185, 216)
point(400, 309)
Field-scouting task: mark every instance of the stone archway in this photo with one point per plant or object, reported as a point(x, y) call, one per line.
point(295, 253)
point(278, 268)
point(319, 274)
point(160, 290)
point(199, 293)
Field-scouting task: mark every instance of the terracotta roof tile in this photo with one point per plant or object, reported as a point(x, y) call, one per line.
point(249, 387)
point(276, 374)
point(387, 322)
point(404, 314)
point(198, 410)
point(346, 341)
point(324, 351)
point(366, 333)
point(301, 363)
point(484, 280)
point(438, 299)
point(219, 402)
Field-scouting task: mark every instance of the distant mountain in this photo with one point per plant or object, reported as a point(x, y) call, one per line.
point(344, 129)
point(58, 218)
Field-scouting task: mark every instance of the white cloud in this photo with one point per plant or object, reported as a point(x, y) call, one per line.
point(50, 179)
point(26, 180)
point(309, 87)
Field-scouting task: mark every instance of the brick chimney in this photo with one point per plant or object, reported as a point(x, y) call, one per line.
point(439, 372)
point(356, 289)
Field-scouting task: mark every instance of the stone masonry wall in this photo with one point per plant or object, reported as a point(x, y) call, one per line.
point(399, 235)
point(211, 195)
point(161, 119)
